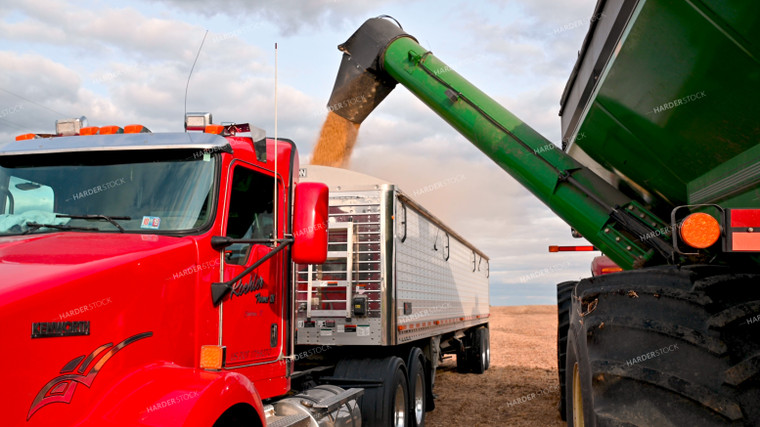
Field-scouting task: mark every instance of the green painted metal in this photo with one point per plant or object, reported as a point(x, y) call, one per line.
point(521, 151)
point(677, 111)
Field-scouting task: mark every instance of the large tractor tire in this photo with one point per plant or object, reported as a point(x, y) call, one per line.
point(388, 404)
point(665, 346)
point(564, 291)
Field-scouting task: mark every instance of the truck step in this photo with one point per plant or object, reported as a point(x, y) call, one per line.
point(287, 420)
point(336, 401)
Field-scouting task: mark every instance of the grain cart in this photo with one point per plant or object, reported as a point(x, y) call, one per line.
point(658, 170)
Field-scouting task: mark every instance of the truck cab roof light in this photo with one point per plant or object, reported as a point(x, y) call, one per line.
point(70, 127)
point(92, 130)
point(136, 129)
point(197, 121)
point(27, 136)
point(110, 130)
point(700, 230)
point(215, 129)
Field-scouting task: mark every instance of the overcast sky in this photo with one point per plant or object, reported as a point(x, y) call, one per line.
point(120, 65)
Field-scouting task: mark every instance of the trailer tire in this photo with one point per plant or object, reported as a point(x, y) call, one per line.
point(488, 348)
point(388, 404)
point(463, 366)
point(418, 393)
point(478, 356)
point(564, 291)
point(667, 346)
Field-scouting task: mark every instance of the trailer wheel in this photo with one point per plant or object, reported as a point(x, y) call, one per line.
point(478, 356)
point(665, 346)
point(488, 348)
point(417, 387)
point(388, 404)
point(564, 290)
point(463, 366)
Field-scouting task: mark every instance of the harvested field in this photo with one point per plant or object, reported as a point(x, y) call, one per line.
point(519, 389)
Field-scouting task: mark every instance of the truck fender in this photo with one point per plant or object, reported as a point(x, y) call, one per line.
point(167, 394)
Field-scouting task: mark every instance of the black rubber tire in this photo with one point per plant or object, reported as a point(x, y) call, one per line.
point(463, 365)
point(577, 360)
point(378, 403)
point(479, 351)
point(564, 292)
point(488, 348)
point(418, 383)
point(668, 346)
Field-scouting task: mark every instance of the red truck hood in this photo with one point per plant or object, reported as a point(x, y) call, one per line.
point(111, 290)
point(46, 260)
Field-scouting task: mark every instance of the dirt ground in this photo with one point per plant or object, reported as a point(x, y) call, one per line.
point(519, 389)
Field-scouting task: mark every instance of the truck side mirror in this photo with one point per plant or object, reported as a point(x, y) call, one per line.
point(310, 223)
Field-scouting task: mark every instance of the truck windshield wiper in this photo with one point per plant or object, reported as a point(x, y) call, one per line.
point(34, 226)
point(110, 219)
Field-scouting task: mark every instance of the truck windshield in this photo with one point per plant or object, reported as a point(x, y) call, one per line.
point(110, 191)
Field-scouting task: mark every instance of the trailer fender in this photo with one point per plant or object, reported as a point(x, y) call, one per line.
point(167, 394)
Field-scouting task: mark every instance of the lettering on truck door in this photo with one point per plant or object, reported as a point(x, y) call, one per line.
point(252, 318)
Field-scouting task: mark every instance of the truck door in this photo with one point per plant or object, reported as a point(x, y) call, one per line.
point(252, 318)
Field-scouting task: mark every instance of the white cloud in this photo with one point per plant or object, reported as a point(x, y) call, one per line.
point(122, 65)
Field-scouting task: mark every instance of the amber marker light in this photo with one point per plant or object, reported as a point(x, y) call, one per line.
point(700, 230)
point(111, 130)
point(92, 130)
point(26, 137)
point(136, 129)
point(212, 357)
point(215, 129)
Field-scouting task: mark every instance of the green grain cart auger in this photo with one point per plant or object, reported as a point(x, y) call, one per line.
point(663, 100)
point(380, 53)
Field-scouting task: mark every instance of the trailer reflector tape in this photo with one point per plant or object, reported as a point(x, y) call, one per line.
point(745, 217)
point(745, 242)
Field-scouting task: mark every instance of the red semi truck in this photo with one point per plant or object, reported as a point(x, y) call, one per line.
point(147, 279)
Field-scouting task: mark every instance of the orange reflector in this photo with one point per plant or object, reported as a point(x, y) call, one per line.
point(571, 248)
point(26, 137)
point(608, 270)
point(110, 130)
point(700, 230)
point(212, 357)
point(92, 130)
point(215, 129)
point(748, 242)
point(136, 129)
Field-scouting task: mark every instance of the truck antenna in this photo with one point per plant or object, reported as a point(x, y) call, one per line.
point(191, 73)
point(274, 223)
